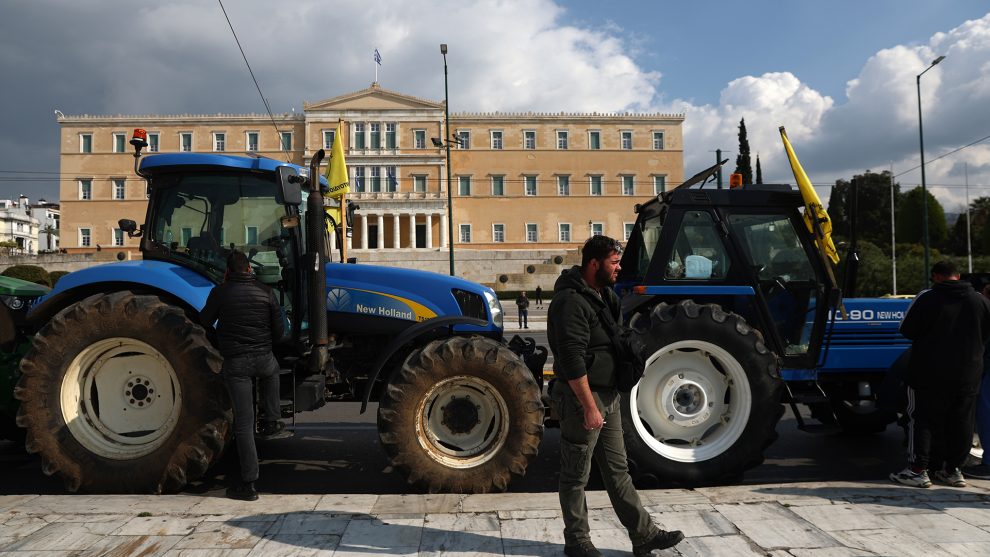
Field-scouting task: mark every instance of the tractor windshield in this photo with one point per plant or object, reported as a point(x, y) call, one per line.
point(200, 217)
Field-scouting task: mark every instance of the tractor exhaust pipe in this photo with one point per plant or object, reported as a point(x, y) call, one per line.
point(316, 261)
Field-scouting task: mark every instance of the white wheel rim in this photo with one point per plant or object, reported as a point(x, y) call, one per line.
point(120, 398)
point(693, 402)
point(462, 422)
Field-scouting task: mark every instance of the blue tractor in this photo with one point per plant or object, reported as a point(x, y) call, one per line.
point(735, 314)
point(120, 392)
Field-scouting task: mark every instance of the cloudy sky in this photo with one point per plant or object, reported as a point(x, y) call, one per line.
point(840, 75)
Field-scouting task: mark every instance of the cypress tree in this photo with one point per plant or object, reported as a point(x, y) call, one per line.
point(743, 164)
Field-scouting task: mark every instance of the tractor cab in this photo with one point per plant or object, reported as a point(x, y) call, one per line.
point(747, 250)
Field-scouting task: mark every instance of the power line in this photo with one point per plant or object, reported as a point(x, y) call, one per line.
point(982, 139)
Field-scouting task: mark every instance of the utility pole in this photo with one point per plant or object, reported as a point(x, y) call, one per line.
point(718, 173)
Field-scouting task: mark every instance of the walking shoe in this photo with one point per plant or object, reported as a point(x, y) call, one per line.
point(977, 472)
point(273, 430)
point(909, 477)
point(583, 549)
point(243, 492)
point(662, 540)
point(950, 477)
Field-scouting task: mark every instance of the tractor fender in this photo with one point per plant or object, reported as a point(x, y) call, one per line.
point(407, 336)
point(185, 285)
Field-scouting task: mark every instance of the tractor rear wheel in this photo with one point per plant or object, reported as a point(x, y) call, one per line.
point(709, 400)
point(462, 415)
point(120, 393)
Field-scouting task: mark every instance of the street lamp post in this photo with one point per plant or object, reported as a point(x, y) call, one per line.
point(924, 187)
point(450, 195)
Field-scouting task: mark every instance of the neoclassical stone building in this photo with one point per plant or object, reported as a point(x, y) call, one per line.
point(521, 180)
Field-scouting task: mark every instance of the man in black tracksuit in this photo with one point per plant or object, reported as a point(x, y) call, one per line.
point(587, 400)
point(949, 326)
point(250, 320)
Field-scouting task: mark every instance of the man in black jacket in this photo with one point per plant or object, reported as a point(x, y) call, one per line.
point(579, 328)
point(250, 320)
point(949, 326)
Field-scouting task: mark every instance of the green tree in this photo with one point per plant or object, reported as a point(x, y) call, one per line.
point(6, 246)
point(874, 276)
point(873, 207)
point(909, 213)
point(979, 214)
point(743, 165)
point(759, 171)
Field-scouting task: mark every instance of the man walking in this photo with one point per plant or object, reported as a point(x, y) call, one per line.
point(949, 326)
point(522, 303)
point(250, 320)
point(539, 297)
point(588, 402)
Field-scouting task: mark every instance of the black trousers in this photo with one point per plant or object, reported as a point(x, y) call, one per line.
point(941, 428)
point(237, 375)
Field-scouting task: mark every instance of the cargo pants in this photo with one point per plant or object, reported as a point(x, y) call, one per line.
point(577, 448)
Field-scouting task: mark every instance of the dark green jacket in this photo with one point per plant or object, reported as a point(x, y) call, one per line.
point(580, 343)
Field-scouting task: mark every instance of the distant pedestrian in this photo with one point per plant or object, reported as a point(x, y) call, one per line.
point(250, 320)
point(522, 302)
point(981, 471)
point(949, 326)
point(580, 323)
point(539, 297)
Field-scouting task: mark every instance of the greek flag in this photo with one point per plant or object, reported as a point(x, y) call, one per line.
point(378, 57)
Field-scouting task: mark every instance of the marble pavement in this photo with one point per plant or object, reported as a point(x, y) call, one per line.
point(835, 519)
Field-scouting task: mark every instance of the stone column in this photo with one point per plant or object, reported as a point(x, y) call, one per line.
point(364, 231)
point(412, 230)
point(395, 231)
point(381, 230)
point(443, 231)
point(429, 230)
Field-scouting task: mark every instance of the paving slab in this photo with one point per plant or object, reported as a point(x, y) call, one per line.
point(459, 542)
point(977, 513)
point(509, 502)
point(63, 536)
point(159, 526)
point(127, 546)
point(347, 504)
point(207, 553)
point(433, 503)
point(839, 517)
point(295, 546)
point(772, 525)
point(462, 522)
point(310, 524)
point(696, 523)
point(375, 535)
point(267, 504)
point(937, 528)
point(226, 535)
point(824, 552)
point(14, 501)
point(532, 531)
point(715, 545)
point(965, 549)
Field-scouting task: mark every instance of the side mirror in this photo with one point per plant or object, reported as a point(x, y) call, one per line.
point(289, 190)
point(128, 226)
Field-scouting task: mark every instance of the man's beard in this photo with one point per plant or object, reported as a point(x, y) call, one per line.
point(604, 277)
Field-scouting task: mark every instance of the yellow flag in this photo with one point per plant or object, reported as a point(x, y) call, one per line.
point(337, 169)
point(813, 209)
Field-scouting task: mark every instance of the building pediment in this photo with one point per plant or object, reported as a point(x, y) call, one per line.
point(373, 98)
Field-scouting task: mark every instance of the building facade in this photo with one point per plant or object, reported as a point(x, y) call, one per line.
point(520, 180)
point(18, 226)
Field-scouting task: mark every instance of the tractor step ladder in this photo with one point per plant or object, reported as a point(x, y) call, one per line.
point(808, 394)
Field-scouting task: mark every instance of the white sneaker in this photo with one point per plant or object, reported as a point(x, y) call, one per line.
point(950, 477)
point(909, 477)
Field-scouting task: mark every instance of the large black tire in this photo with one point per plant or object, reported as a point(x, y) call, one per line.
point(709, 400)
point(121, 393)
point(462, 415)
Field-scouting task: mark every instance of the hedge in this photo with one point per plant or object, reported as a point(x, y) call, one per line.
point(30, 273)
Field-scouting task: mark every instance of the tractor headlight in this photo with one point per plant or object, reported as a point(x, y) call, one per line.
point(13, 302)
point(495, 308)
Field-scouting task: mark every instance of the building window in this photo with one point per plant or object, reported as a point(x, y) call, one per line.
point(529, 185)
point(252, 141)
point(85, 237)
point(563, 185)
point(594, 139)
point(465, 139)
point(564, 232)
point(597, 229)
point(358, 135)
point(153, 143)
point(392, 183)
point(627, 228)
point(390, 135)
point(328, 137)
point(359, 178)
point(497, 139)
point(118, 237)
point(465, 233)
point(250, 235)
point(628, 185)
point(529, 139)
point(562, 139)
point(286, 141)
point(85, 143)
point(376, 179)
point(658, 141)
point(498, 185)
point(185, 142)
point(419, 139)
point(532, 232)
point(626, 142)
point(376, 135)
point(659, 184)
point(85, 189)
point(185, 234)
point(498, 233)
point(596, 185)
point(419, 183)
point(219, 141)
point(20, 227)
point(119, 188)
point(464, 185)
point(118, 143)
